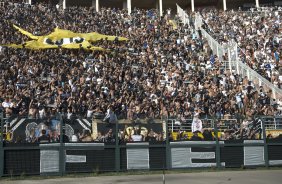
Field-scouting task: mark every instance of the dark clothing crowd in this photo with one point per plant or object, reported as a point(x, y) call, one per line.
point(161, 71)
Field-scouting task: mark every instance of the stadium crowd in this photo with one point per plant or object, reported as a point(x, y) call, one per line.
point(258, 34)
point(160, 72)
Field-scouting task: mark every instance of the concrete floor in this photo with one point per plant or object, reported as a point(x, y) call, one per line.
point(224, 177)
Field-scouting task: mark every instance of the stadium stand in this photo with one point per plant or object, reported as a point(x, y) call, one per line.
point(258, 34)
point(165, 69)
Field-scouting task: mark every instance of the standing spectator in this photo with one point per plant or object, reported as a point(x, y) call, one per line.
point(196, 124)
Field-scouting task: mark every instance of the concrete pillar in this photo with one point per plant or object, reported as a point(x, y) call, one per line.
point(129, 7)
point(257, 3)
point(64, 4)
point(224, 5)
point(192, 6)
point(95, 3)
point(29, 1)
point(97, 6)
point(161, 7)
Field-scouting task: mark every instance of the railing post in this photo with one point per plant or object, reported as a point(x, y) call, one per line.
point(217, 147)
point(237, 67)
point(61, 148)
point(167, 145)
point(275, 127)
point(230, 65)
point(265, 145)
point(1, 146)
point(217, 52)
point(117, 149)
point(248, 74)
point(274, 93)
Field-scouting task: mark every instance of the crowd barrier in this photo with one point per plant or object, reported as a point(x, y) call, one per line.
point(63, 157)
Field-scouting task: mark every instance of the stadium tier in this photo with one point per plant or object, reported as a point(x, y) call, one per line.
point(84, 63)
point(154, 72)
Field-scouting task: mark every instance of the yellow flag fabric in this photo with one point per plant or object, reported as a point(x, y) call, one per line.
point(26, 33)
point(63, 38)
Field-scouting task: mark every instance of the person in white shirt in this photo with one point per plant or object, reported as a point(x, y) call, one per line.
point(7, 103)
point(69, 113)
point(74, 137)
point(137, 137)
point(110, 116)
point(197, 124)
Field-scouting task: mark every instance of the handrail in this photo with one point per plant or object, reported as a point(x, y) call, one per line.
point(235, 48)
point(245, 70)
point(240, 67)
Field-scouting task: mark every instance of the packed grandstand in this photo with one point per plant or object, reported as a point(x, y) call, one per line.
point(164, 69)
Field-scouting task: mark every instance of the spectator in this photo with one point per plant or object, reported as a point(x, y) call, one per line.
point(75, 137)
point(196, 137)
point(43, 137)
point(137, 137)
point(196, 124)
point(85, 137)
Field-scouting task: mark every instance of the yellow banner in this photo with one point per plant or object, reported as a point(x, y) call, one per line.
point(274, 133)
point(63, 38)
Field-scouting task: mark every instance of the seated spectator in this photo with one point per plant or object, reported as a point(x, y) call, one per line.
point(137, 137)
point(196, 137)
point(207, 134)
point(43, 137)
point(86, 136)
point(109, 136)
point(75, 136)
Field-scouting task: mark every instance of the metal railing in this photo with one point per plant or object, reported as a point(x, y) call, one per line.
point(185, 125)
point(217, 49)
point(235, 65)
point(183, 15)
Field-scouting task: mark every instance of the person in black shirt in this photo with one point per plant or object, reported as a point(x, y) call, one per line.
point(43, 138)
point(196, 137)
point(207, 133)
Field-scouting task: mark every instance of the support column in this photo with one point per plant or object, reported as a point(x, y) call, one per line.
point(97, 6)
point(192, 6)
point(257, 3)
point(64, 4)
point(95, 3)
point(161, 7)
point(129, 7)
point(29, 1)
point(224, 5)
